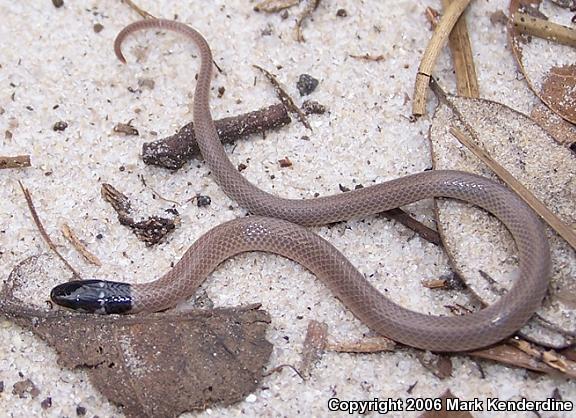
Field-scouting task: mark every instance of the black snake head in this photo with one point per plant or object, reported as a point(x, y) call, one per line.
point(93, 296)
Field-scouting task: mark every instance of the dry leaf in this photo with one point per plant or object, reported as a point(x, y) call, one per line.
point(152, 365)
point(480, 247)
point(554, 81)
point(561, 130)
point(559, 91)
point(314, 346)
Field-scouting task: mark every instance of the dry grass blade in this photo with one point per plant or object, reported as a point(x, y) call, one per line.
point(459, 42)
point(80, 247)
point(43, 232)
point(551, 219)
point(436, 43)
point(541, 28)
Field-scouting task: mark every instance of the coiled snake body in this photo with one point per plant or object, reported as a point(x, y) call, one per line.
point(278, 231)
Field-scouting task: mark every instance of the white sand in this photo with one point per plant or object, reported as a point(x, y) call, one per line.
point(54, 57)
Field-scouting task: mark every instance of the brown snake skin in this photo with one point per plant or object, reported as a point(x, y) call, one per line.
point(276, 232)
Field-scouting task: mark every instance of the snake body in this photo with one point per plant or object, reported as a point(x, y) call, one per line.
point(278, 229)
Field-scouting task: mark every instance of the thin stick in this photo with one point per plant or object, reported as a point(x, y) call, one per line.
point(284, 97)
point(139, 10)
point(436, 43)
point(80, 247)
point(551, 219)
point(18, 161)
point(43, 233)
point(541, 28)
point(462, 57)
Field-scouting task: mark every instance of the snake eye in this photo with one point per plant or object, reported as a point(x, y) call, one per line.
point(93, 296)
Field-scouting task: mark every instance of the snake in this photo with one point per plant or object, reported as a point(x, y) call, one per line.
point(278, 225)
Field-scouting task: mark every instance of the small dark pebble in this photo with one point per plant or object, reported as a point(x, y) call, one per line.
point(284, 14)
point(80, 411)
point(46, 403)
point(242, 167)
point(8, 135)
point(122, 168)
point(341, 13)
point(221, 91)
point(343, 188)
point(30, 108)
point(48, 173)
point(285, 162)
point(99, 236)
point(311, 107)
point(573, 146)
point(305, 138)
point(306, 84)
point(1, 386)
point(202, 201)
point(358, 186)
point(58, 3)
point(60, 126)
point(98, 27)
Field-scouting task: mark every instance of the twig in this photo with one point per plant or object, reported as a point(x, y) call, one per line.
point(436, 43)
point(80, 247)
point(510, 353)
point(367, 57)
point(174, 151)
point(409, 222)
point(19, 161)
point(43, 233)
point(374, 344)
point(284, 97)
point(541, 28)
point(310, 7)
point(551, 219)
point(459, 42)
point(138, 10)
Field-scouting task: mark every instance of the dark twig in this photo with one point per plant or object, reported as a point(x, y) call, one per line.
point(284, 97)
point(425, 232)
point(174, 151)
point(43, 232)
point(18, 161)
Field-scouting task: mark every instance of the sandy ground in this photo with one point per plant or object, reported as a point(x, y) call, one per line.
point(54, 66)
